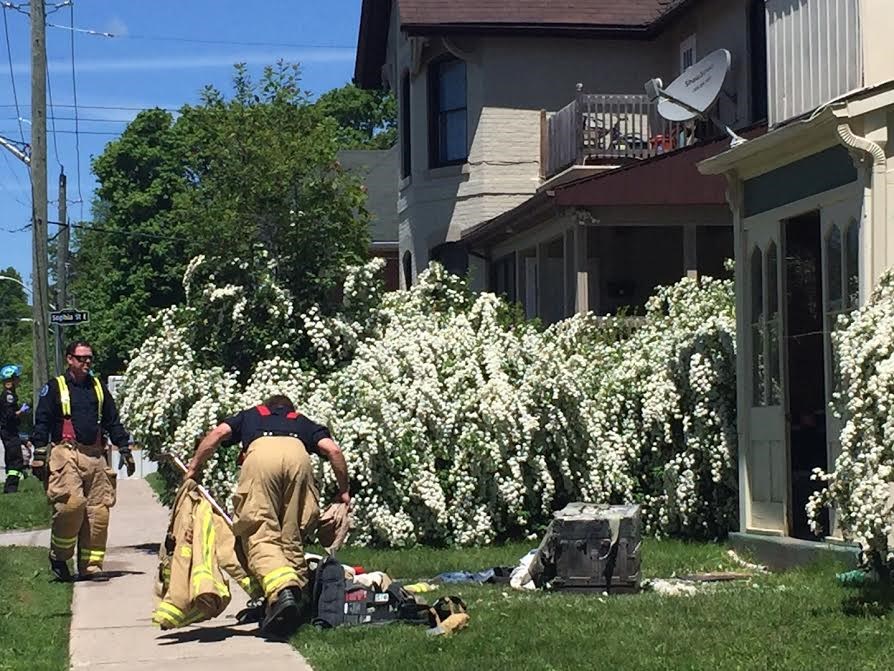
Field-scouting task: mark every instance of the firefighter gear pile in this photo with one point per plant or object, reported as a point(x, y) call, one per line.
point(191, 584)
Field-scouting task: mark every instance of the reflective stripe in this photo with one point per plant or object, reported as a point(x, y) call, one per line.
point(65, 395)
point(168, 613)
point(92, 555)
point(61, 542)
point(13, 473)
point(275, 580)
point(185, 551)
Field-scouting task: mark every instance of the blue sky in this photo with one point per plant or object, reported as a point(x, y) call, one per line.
point(132, 71)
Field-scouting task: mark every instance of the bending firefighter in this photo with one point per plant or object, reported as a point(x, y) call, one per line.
point(10, 411)
point(276, 501)
point(73, 412)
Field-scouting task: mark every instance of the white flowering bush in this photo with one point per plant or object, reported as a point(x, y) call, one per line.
point(461, 423)
point(860, 487)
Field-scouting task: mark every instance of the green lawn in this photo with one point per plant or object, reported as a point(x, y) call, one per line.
point(27, 508)
point(795, 620)
point(35, 613)
point(157, 483)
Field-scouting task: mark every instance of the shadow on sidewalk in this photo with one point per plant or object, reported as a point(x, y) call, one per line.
point(148, 548)
point(203, 635)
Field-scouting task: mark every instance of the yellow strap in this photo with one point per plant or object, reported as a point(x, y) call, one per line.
point(65, 395)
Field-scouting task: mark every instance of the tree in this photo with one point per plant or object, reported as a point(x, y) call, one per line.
point(266, 190)
point(129, 262)
point(229, 179)
point(366, 119)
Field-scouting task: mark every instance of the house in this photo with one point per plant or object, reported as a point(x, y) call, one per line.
point(814, 230)
point(377, 168)
point(530, 155)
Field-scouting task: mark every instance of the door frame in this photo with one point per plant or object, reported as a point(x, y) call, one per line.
point(852, 191)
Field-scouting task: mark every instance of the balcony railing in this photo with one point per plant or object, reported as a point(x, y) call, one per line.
point(610, 128)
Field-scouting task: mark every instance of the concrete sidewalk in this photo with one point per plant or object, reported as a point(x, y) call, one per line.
point(111, 628)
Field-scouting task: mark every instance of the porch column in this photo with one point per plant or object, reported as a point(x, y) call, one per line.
point(582, 297)
point(690, 252)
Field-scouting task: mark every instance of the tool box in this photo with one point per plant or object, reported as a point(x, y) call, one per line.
point(595, 548)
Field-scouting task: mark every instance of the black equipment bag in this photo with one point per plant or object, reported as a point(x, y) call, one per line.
point(337, 602)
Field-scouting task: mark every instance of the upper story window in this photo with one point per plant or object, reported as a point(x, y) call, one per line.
point(406, 148)
point(448, 139)
point(687, 53)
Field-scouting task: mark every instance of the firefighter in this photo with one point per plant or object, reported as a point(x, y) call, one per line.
point(276, 499)
point(10, 411)
point(74, 410)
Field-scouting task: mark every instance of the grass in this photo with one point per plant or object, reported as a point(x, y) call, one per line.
point(26, 509)
point(796, 620)
point(157, 483)
point(35, 613)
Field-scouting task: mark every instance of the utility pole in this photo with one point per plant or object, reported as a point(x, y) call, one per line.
point(61, 268)
point(40, 261)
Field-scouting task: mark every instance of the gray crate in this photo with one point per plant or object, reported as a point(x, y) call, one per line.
point(596, 547)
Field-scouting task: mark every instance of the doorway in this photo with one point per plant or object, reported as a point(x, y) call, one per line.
point(805, 348)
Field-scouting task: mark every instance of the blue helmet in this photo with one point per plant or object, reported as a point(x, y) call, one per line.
point(10, 371)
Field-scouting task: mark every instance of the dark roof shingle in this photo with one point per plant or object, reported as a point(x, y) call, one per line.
point(593, 13)
point(564, 17)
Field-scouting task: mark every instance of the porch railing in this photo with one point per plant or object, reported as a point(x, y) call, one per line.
point(614, 127)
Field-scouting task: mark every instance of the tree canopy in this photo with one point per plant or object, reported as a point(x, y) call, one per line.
point(228, 178)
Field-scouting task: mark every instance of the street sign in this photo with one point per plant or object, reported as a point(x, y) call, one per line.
point(69, 317)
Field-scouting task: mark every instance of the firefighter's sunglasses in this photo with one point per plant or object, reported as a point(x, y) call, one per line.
point(83, 358)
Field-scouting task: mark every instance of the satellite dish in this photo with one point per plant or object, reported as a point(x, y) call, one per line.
point(692, 93)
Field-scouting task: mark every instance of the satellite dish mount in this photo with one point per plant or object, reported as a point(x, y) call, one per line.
point(693, 93)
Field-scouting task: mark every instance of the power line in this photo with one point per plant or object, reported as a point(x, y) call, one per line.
point(77, 132)
point(82, 119)
point(109, 107)
point(15, 95)
point(192, 40)
point(108, 231)
point(74, 93)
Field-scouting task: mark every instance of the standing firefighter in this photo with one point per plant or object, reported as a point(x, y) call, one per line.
point(276, 500)
point(73, 413)
point(9, 427)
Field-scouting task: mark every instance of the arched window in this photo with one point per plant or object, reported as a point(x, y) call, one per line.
point(774, 326)
point(408, 270)
point(852, 264)
point(757, 327)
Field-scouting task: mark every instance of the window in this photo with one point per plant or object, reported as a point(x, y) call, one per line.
point(757, 328)
point(842, 282)
point(503, 277)
point(448, 140)
point(687, 53)
point(408, 270)
point(406, 149)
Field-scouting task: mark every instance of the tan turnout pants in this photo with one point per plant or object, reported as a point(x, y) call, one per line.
point(81, 488)
point(276, 502)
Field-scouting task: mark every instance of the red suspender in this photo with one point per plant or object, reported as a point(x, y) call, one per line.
point(263, 410)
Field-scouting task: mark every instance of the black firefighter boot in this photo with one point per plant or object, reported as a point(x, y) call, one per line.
point(59, 569)
point(284, 614)
point(12, 484)
point(254, 611)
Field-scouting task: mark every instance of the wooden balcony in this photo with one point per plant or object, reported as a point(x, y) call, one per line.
point(610, 129)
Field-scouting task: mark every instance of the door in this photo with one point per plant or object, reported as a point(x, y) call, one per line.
point(841, 244)
point(767, 430)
